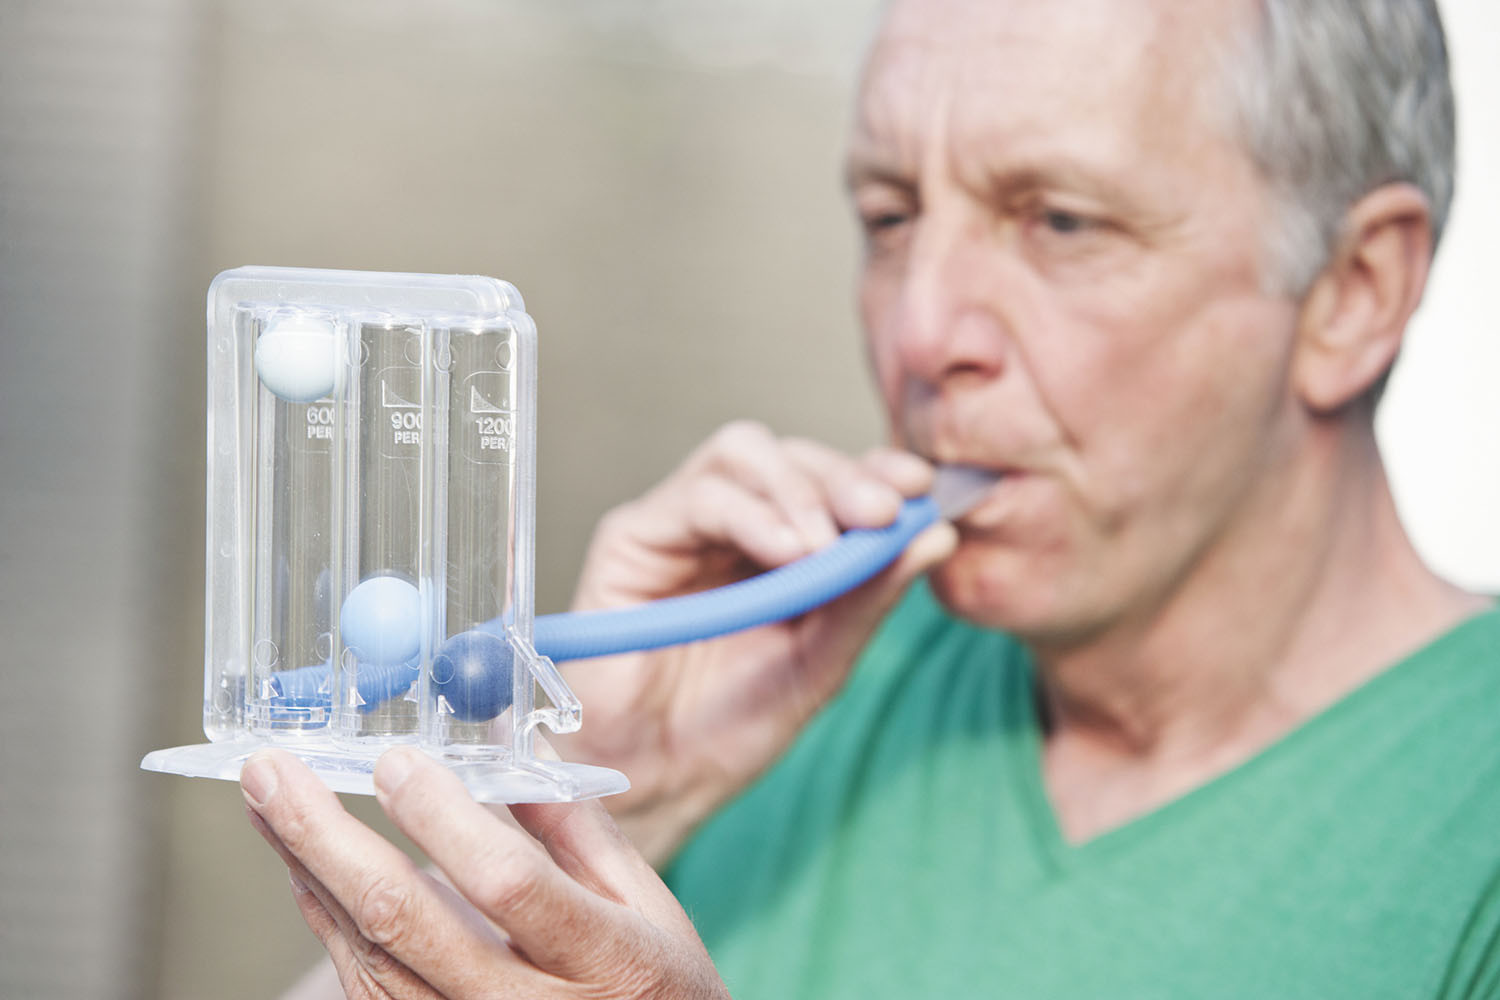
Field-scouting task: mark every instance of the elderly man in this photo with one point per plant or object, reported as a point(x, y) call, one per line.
point(1180, 712)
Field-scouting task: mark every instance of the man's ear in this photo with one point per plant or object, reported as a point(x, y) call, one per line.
point(1355, 315)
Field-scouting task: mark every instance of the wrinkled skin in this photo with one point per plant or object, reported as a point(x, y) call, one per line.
point(569, 911)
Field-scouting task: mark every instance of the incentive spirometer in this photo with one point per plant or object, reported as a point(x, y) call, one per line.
point(371, 455)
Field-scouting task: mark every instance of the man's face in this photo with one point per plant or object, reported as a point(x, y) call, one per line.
point(1063, 280)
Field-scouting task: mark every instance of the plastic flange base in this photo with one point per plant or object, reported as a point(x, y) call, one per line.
point(494, 779)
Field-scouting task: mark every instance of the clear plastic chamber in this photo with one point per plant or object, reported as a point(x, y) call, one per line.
point(371, 456)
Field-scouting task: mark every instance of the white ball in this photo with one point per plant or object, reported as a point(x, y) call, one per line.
point(296, 358)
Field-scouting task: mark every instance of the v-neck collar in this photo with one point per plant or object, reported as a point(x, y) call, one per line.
point(1061, 855)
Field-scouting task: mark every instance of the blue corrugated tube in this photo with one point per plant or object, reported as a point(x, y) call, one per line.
point(774, 596)
point(473, 669)
point(311, 687)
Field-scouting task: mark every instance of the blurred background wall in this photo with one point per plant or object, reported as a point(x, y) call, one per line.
point(661, 181)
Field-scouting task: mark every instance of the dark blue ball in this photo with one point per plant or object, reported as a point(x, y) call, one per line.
point(473, 672)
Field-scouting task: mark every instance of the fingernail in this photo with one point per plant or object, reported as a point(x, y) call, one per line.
point(874, 501)
point(935, 544)
point(258, 781)
point(784, 539)
point(913, 469)
point(298, 886)
point(393, 768)
point(817, 528)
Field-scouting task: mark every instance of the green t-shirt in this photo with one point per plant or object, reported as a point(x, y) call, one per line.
point(904, 846)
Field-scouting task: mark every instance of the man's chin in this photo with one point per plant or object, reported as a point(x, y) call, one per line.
point(1001, 593)
point(979, 589)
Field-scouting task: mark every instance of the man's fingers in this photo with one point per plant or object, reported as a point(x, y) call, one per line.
point(719, 511)
point(345, 965)
point(911, 475)
point(839, 628)
point(860, 610)
point(587, 844)
point(751, 455)
point(402, 925)
point(319, 921)
point(747, 491)
point(358, 961)
point(556, 923)
point(857, 492)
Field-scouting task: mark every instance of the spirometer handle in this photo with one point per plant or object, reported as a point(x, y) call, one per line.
point(774, 596)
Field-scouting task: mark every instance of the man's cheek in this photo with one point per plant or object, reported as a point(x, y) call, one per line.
point(889, 380)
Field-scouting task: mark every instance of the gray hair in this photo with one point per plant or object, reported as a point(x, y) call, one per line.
point(1336, 98)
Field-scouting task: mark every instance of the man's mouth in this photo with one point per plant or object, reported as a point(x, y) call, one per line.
point(958, 489)
point(975, 495)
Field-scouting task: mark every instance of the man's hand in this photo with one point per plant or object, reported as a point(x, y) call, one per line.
point(576, 912)
point(692, 725)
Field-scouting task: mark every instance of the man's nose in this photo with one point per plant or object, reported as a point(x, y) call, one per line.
point(951, 323)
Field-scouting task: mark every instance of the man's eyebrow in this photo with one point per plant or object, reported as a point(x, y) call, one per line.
point(1042, 175)
point(1006, 179)
point(859, 170)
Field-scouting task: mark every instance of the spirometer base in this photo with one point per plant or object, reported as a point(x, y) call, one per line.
point(352, 770)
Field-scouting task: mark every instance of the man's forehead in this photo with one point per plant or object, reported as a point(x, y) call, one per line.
point(1069, 59)
point(947, 20)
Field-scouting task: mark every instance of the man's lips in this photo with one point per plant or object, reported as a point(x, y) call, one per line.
point(989, 507)
point(958, 489)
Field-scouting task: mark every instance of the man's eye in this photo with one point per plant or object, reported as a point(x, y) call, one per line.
point(886, 221)
point(886, 232)
point(1064, 222)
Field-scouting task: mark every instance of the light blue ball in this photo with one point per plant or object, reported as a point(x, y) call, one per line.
point(381, 620)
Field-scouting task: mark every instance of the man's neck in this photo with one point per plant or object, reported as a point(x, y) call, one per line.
point(1269, 629)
